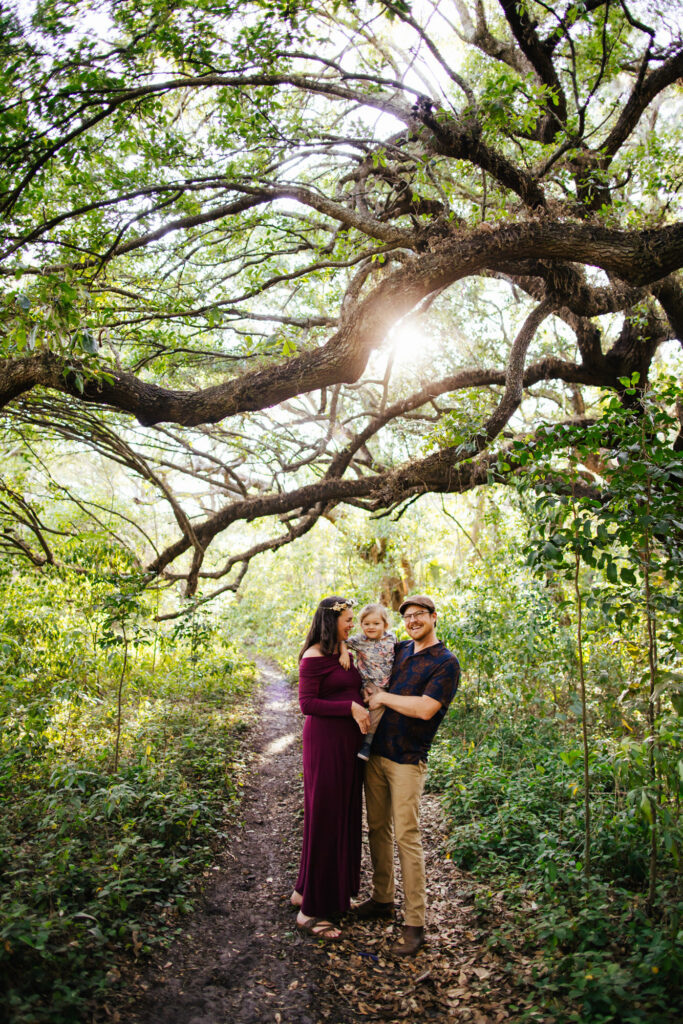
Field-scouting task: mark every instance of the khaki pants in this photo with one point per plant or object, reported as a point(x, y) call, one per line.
point(392, 799)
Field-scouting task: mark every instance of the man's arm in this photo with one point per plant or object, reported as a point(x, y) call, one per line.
point(413, 707)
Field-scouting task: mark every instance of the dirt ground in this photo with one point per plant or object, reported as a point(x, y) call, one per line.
point(240, 959)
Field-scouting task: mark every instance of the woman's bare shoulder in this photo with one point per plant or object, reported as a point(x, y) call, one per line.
point(312, 652)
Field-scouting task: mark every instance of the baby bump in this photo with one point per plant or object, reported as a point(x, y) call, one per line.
point(327, 739)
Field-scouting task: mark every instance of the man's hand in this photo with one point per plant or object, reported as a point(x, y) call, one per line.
point(374, 700)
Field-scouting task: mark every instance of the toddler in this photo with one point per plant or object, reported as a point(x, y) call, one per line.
point(374, 650)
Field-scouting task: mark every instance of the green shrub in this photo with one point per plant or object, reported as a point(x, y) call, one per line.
point(513, 799)
point(96, 862)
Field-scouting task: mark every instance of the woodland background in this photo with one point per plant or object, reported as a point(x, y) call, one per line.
point(299, 299)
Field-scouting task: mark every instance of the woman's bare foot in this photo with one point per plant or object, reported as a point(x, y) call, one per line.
point(317, 927)
point(296, 899)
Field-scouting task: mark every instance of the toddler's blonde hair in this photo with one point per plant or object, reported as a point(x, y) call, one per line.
point(374, 609)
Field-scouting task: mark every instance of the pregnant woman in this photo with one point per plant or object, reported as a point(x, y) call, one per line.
point(329, 696)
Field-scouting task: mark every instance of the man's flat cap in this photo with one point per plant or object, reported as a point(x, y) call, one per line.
point(419, 599)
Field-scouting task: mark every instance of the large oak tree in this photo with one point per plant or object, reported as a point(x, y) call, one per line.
point(303, 254)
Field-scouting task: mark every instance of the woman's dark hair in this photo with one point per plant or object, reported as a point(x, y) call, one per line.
point(323, 629)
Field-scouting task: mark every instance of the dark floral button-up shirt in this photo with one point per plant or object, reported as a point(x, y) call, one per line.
point(432, 672)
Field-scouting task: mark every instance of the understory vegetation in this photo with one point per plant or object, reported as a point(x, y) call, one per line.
point(509, 765)
point(102, 839)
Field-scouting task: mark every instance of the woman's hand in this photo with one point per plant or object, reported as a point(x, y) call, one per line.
point(361, 716)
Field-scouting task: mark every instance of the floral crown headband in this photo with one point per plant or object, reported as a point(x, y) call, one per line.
point(340, 606)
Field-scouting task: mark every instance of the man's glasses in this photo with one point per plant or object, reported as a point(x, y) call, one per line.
point(415, 615)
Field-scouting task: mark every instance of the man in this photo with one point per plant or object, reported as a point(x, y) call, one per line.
point(423, 682)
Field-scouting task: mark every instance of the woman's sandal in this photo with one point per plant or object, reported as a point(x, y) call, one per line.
point(309, 927)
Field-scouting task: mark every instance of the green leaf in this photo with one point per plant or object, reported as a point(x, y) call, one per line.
point(88, 342)
point(551, 552)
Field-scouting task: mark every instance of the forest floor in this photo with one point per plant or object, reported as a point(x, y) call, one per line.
point(240, 959)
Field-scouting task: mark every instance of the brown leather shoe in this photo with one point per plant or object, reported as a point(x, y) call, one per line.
point(412, 937)
point(371, 909)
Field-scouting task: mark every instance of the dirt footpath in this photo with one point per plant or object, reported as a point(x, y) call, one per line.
point(240, 959)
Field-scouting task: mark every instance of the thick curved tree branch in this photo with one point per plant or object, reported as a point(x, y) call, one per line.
point(640, 99)
point(546, 369)
point(449, 470)
point(514, 374)
point(479, 35)
point(539, 56)
point(639, 258)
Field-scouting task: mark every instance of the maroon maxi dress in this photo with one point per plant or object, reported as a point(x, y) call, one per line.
point(329, 874)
